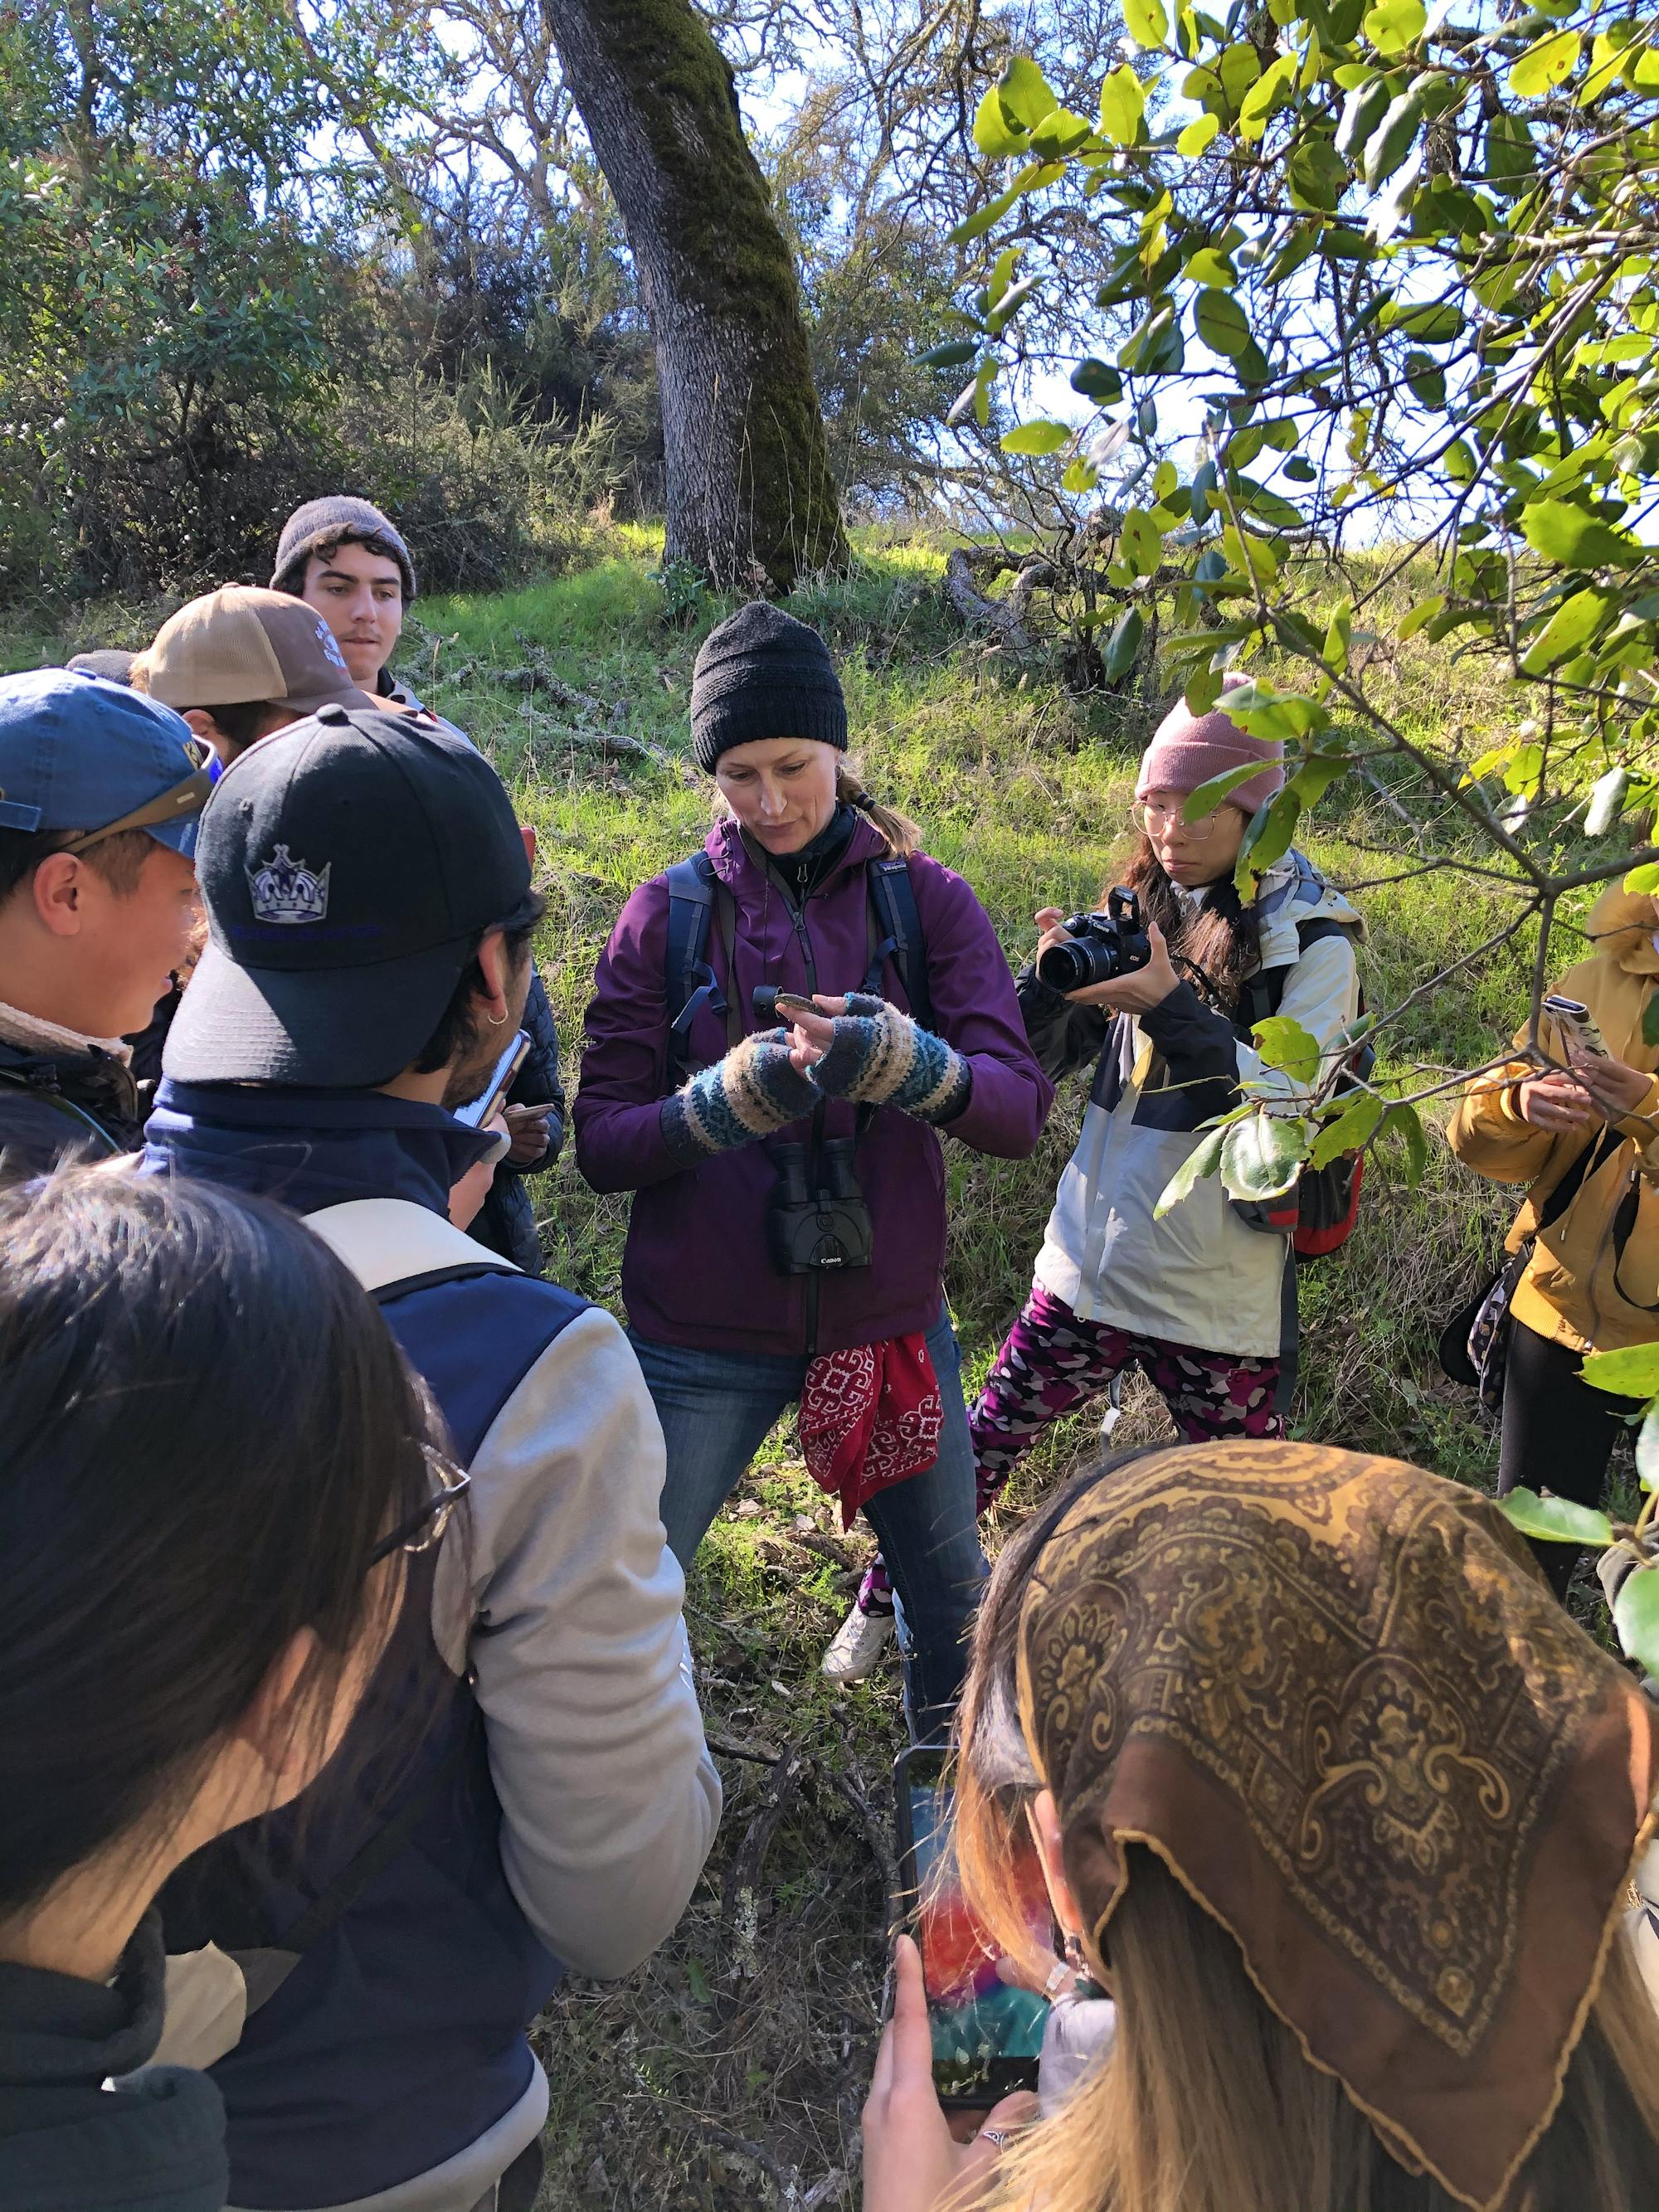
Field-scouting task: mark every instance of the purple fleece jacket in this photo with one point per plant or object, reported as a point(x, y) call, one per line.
point(695, 1270)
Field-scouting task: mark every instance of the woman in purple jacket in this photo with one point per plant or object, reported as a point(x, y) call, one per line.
point(786, 1239)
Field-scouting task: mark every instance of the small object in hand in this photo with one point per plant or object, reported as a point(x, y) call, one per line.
point(791, 1003)
point(530, 1113)
point(1572, 1017)
point(1000, 2136)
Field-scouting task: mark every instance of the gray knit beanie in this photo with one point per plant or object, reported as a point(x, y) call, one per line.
point(762, 674)
point(324, 522)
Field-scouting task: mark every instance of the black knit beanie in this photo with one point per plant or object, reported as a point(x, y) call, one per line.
point(324, 522)
point(762, 674)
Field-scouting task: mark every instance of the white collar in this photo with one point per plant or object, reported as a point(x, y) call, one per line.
point(34, 1034)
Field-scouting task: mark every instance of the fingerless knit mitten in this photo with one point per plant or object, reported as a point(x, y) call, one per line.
point(880, 1057)
point(740, 1099)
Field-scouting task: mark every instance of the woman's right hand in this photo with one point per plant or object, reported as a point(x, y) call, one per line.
point(912, 2163)
point(1555, 1102)
point(1050, 921)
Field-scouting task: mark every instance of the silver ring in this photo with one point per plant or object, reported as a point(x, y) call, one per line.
point(996, 2135)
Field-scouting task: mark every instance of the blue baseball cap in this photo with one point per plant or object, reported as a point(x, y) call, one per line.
point(83, 754)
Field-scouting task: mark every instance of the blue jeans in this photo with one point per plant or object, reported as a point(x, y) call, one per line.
point(716, 1408)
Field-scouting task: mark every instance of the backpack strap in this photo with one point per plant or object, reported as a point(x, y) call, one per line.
point(893, 898)
point(1264, 991)
point(690, 983)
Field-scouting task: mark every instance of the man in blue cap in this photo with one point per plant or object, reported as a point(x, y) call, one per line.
point(99, 799)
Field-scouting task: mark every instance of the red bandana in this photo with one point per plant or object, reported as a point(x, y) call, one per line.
point(870, 1416)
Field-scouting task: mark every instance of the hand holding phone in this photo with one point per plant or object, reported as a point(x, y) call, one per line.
point(987, 2031)
point(478, 1111)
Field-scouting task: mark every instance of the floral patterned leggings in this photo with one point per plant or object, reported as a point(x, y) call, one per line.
point(1051, 1362)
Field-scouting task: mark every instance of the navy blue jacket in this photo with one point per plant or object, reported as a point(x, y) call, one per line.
point(397, 2040)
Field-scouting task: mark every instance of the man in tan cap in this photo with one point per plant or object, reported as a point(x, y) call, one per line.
point(240, 662)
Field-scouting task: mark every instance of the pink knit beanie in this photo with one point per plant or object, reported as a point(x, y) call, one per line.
point(1189, 749)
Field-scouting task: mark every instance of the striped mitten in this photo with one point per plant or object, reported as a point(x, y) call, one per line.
point(737, 1101)
point(880, 1057)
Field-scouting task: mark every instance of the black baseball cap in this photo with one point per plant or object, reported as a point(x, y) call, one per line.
point(348, 864)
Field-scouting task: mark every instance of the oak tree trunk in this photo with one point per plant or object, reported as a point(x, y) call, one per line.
point(751, 498)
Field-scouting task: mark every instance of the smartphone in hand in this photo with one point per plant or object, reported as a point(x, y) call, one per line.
point(986, 2032)
point(478, 1112)
point(1578, 1030)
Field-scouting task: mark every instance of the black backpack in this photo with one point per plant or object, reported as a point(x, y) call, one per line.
point(694, 889)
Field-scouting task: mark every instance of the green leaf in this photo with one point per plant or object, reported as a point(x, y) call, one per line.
point(1124, 643)
point(1646, 878)
point(1649, 1013)
point(1262, 1155)
point(1153, 347)
point(1407, 1124)
point(1636, 1617)
point(955, 353)
point(1363, 110)
point(1149, 26)
point(1557, 1520)
point(1207, 797)
point(1060, 134)
point(1097, 381)
point(1392, 140)
point(1647, 1449)
point(985, 218)
point(1024, 92)
point(1283, 1043)
point(1203, 1160)
point(1607, 802)
point(1222, 323)
point(1267, 840)
point(1420, 617)
point(1037, 438)
point(1545, 63)
point(1571, 626)
point(1207, 266)
point(1080, 475)
point(1353, 1126)
point(1122, 103)
point(1632, 1372)
point(1565, 533)
point(1197, 136)
point(1434, 322)
point(993, 133)
point(1395, 24)
point(1339, 635)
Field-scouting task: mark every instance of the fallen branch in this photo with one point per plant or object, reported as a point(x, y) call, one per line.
point(977, 609)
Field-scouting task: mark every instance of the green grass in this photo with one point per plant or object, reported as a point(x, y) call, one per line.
point(755, 2025)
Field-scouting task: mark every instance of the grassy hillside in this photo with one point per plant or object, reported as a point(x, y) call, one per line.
point(729, 2072)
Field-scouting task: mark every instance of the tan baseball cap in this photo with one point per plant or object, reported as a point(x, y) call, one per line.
point(242, 644)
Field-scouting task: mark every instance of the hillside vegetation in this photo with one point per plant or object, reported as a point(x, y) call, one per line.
point(729, 2072)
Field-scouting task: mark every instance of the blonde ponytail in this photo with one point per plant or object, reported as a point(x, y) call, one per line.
point(900, 835)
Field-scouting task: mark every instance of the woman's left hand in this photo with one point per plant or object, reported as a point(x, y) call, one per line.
point(1141, 989)
point(911, 2161)
point(1615, 1089)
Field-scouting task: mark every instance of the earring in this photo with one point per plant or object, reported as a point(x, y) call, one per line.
point(496, 1020)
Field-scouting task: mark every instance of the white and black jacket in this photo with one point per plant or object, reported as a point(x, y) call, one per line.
point(1203, 1275)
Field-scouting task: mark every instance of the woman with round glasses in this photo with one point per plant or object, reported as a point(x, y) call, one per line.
point(1204, 1300)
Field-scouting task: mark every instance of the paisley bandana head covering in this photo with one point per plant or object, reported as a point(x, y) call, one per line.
point(1336, 1698)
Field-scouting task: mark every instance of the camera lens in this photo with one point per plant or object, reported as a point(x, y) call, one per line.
point(1066, 967)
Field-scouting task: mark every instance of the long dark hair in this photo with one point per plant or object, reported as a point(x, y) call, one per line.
point(207, 1430)
point(1221, 939)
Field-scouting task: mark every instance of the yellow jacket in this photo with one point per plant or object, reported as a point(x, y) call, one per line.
point(1592, 1283)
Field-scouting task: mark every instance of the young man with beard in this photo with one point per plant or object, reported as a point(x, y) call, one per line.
point(369, 907)
point(348, 561)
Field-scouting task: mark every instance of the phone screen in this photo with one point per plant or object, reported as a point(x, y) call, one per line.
point(987, 2031)
point(478, 1110)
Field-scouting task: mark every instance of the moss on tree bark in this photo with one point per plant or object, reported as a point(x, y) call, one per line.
point(749, 481)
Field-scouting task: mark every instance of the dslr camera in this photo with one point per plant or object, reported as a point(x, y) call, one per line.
point(1099, 947)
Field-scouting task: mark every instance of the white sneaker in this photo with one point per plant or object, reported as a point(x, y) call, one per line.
point(859, 1643)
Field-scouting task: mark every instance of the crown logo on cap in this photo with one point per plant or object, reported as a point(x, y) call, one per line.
point(285, 891)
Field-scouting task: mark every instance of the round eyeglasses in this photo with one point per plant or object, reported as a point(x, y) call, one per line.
point(423, 1530)
point(1154, 819)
